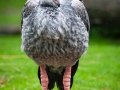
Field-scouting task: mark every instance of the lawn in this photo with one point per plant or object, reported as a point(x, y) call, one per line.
point(99, 68)
point(11, 13)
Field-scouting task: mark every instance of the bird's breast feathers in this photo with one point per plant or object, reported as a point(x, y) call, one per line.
point(54, 34)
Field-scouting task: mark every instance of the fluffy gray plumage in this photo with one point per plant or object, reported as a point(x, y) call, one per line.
point(52, 35)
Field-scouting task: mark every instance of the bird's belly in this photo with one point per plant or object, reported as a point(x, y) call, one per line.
point(55, 52)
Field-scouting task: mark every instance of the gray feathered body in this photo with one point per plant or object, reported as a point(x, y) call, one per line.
point(55, 36)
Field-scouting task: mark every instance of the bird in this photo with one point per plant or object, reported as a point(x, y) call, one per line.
point(55, 34)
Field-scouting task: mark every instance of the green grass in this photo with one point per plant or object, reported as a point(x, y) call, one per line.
point(99, 68)
point(11, 12)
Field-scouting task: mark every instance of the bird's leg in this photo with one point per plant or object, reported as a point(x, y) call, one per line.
point(67, 78)
point(44, 78)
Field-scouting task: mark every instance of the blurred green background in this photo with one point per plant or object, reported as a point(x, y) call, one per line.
point(10, 12)
point(99, 68)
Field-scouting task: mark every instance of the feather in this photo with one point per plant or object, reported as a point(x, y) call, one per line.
point(55, 34)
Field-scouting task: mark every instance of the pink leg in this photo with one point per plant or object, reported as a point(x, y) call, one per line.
point(66, 78)
point(44, 78)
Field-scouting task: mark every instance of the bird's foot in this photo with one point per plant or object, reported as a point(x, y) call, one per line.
point(44, 78)
point(67, 78)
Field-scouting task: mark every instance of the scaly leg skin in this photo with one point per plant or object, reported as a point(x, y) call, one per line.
point(67, 78)
point(44, 78)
